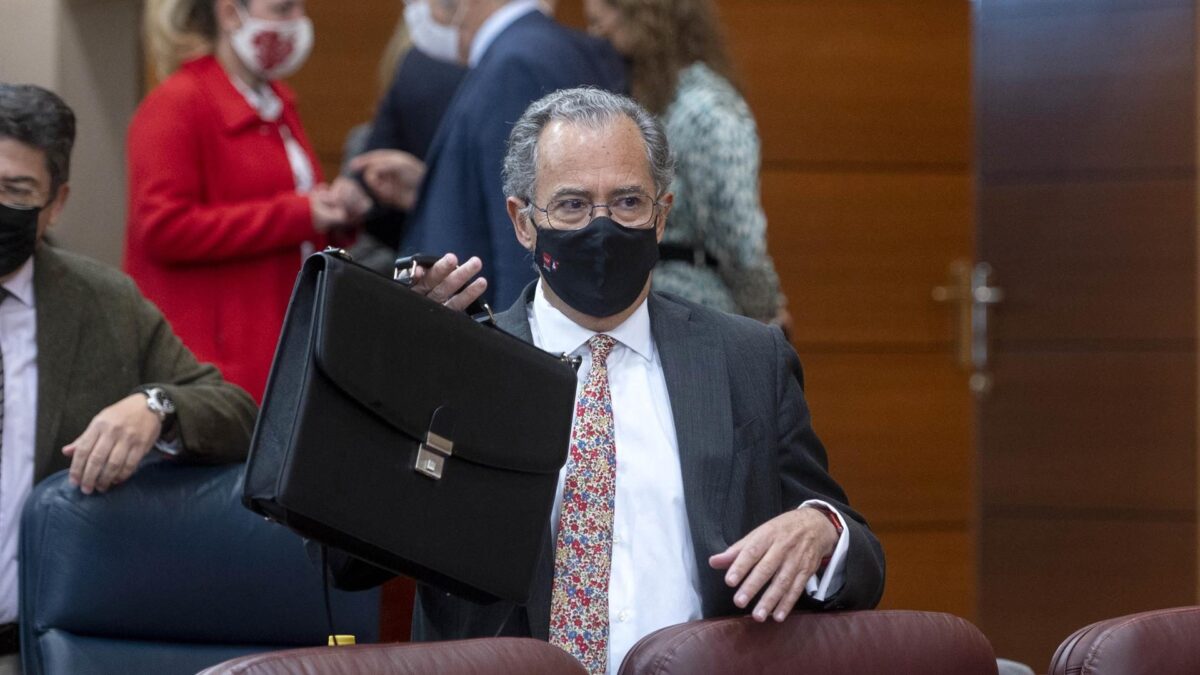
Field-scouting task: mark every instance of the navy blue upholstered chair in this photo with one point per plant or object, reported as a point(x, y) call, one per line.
point(167, 573)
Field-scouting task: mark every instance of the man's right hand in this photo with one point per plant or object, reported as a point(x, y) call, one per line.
point(114, 443)
point(444, 281)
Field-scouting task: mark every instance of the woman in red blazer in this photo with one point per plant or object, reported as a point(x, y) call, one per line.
point(225, 193)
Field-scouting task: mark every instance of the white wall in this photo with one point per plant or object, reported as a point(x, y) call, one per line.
point(88, 52)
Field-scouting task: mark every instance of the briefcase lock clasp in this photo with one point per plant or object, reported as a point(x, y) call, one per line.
point(432, 454)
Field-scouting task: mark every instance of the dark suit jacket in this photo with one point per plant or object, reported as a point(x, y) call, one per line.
point(407, 119)
point(461, 207)
point(98, 340)
point(747, 451)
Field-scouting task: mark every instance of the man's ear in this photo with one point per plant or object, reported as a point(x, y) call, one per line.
point(53, 210)
point(664, 209)
point(522, 224)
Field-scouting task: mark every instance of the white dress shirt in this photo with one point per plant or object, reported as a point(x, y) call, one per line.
point(495, 24)
point(653, 579)
point(18, 340)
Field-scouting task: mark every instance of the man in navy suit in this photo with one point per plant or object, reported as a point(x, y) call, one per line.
point(517, 54)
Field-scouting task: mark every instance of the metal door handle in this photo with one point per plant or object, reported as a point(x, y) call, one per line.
point(971, 290)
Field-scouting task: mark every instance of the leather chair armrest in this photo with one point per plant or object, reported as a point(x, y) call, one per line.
point(829, 643)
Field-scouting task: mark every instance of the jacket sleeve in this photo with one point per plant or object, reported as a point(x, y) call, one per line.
point(215, 418)
point(804, 470)
point(511, 90)
point(167, 215)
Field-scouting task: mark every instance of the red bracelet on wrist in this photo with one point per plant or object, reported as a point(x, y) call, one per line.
point(837, 525)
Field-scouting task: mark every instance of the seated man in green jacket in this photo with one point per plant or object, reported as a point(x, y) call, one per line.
point(91, 376)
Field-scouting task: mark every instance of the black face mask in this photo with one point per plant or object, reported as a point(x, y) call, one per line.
point(18, 236)
point(600, 269)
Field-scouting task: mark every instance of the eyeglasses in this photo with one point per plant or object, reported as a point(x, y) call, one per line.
point(635, 210)
point(19, 197)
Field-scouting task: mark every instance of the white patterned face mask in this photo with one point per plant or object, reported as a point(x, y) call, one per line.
point(434, 39)
point(273, 49)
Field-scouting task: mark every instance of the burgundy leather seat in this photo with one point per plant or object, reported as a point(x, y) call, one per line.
point(489, 656)
point(1162, 642)
point(843, 643)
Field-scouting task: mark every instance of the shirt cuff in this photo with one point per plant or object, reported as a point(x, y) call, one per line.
point(823, 586)
point(172, 447)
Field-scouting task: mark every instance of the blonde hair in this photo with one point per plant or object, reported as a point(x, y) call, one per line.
point(178, 30)
point(696, 36)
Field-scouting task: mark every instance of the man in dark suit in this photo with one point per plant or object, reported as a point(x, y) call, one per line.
point(516, 55)
point(397, 142)
point(91, 376)
point(695, 484)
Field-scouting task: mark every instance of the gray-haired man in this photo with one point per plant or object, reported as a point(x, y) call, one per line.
point(695, 485)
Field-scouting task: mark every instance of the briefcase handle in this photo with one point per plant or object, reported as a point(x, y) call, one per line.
point(406, 268)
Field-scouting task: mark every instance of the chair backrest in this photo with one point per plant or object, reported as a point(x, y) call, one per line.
point(487, 656)
point(1162, 642)
point(167, 573)
point(835, 643)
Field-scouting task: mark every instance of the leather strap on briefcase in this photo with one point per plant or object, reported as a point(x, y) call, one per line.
point(409, 435)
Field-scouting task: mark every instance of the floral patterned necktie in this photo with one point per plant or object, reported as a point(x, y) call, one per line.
point(583, 550)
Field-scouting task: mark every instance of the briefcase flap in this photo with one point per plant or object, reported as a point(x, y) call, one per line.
point(498, 401)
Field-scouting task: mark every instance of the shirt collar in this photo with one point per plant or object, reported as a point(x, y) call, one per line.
point(495, 24)
point(264, 101)
point(20, 286)
point(556, 333)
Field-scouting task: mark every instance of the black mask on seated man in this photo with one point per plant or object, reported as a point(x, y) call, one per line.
point(18, 236)
point(599, 269)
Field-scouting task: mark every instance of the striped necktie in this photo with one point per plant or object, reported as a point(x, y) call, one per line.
point(583, 549)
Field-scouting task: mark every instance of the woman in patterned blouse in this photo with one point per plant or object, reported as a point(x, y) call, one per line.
point(715, 249)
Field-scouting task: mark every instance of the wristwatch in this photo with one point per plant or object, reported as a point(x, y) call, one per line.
point(161, 405)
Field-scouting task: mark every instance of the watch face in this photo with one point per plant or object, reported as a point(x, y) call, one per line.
point(159, 402)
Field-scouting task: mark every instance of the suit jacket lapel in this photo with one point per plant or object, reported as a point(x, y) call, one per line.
point(698, 386)
point(515, 319)
point(60, 301)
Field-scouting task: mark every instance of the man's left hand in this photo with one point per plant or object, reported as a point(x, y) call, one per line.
point(784, 551)
point(116, 440)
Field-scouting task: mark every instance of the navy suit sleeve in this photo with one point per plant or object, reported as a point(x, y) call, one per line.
point(509, 92)
point(804, 471)
point(385, 128)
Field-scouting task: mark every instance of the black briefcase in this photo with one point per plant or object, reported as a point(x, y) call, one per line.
point(410, 435)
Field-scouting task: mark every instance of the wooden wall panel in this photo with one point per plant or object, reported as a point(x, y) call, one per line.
point(1049, 576)
point(1110, 259)
point(864, 113)
point(1129, 74)
point(1091, 430)
point(945, 556)
point(901, 465)
point(1087, 155)
point(856, 82)
point(859, 253)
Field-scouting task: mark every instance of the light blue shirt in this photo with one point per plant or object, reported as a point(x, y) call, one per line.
point(18, 341)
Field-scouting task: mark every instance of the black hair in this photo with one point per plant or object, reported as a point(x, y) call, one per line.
point(39, 118)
